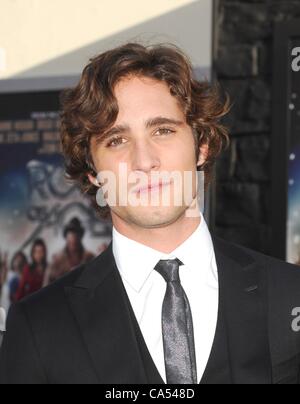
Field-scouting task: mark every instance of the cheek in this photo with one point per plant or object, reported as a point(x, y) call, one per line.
point(100, 158)
point(184, 155)
point(103, 162)
point(111, 171)
point(112, 164)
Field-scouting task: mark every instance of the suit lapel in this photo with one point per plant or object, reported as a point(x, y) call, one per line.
point(113, 339)
point(243, 292)
point(152, 373)
point(98, 301)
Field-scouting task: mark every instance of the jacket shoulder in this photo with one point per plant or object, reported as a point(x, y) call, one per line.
point(52, 297)
point(280, 291)
point(274, 266)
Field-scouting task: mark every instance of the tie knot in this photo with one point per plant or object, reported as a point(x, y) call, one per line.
point(169, 269)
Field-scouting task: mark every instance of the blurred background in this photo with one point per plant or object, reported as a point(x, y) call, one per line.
point(250, 47)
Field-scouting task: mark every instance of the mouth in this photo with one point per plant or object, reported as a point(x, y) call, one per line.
point(152, 188)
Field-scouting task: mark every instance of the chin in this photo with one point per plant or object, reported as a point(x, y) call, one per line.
point(154, 217)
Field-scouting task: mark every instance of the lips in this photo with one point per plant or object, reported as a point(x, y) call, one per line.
point(151, 187)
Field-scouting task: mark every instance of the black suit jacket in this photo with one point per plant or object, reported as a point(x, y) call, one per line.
point(82, 329)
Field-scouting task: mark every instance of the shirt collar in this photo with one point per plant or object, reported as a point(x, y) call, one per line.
point(136, 261)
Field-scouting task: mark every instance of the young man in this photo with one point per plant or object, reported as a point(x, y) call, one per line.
point(167, 302)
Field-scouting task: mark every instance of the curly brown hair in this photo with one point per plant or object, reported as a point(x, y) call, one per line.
point(91, 108)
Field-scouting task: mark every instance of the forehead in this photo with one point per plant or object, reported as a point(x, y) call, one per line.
point(72, 234)
point(39, 247)
point(145, 96)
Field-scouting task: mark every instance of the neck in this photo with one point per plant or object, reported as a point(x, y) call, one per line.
point(77, 251)
point(164, 239)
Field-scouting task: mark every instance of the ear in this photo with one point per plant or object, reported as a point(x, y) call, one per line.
point(93, 180)
point(203, 154)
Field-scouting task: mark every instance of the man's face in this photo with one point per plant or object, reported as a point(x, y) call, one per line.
point(73, 241)
point(18, 264)
point(146, 142)
point(39, 254)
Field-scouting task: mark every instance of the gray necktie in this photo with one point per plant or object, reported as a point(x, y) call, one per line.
point(177, 326)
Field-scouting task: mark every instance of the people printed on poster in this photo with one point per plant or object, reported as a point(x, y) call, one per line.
point(26, 275)
point(33, 275)
point(72, 255)
point(47, 227)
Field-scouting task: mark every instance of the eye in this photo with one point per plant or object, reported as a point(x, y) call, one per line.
point(114, 142)
point(165, 131)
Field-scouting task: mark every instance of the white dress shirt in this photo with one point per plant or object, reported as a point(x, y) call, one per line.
point(146, 290)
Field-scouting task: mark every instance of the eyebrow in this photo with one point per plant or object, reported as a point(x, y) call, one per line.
point(150, 123)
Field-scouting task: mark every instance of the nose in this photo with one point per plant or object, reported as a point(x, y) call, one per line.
point(144, 157)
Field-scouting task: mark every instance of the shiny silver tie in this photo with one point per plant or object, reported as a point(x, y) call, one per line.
point(177, 327)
